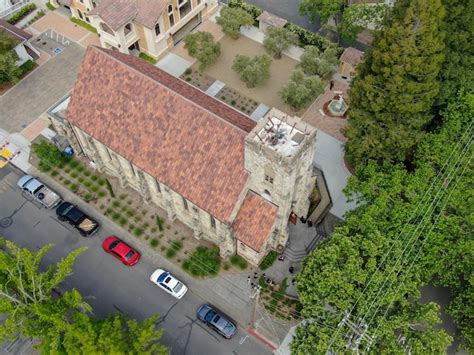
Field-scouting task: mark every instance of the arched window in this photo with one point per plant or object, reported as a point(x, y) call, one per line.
point(80, 14)
point(157, 29)
point(128, 28)
point(170, 15)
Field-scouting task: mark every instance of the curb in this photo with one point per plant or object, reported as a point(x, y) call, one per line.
point(259, 337)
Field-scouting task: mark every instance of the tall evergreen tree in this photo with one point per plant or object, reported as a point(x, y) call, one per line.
point(458, 68)
point(394, 90)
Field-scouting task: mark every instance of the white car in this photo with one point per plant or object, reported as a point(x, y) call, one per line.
point(168, 283)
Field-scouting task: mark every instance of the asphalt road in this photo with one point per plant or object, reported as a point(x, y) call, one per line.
point(108, 285)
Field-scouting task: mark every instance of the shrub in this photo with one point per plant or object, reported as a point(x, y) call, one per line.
point(146, 57)
point(123, 221)
point(268, 260)
point(315, 62)
point(123, 196)
point(174, 247)
point(87, 173)
point(159, 223)
point(87, 183)
point(170, 253)
point(201, 45)
point(162, 248)
point(252, 71)
point(94, 177)
point(144, 212)
point(129, 202)
point(277, 40)
point(80, 179)
point(154, 243)
point(74, 174)
point(67, 182)
point(300, 90)
point(101, 193)
point(44, 167)
point(54, 173)
point(74, 187)
point(84, 24)
point(253, 10)
point(130, 213)
point(116, 203)
point(101, 181)
point(231, 19)
point(226, 266)
point(138, 231)
point(94, 188)
point(27, 66)
point(145, 225)
point(188, 71)
point(80, 168)
point(73, 163)
point(238, 261)
point(131, 226)
point(116, 216)
point(49, 153)
point(109, 187)
point(88, 197)
point(203, 262)
point(23, 12)
point(50, 6)
point(309, 38)
point(154, 229)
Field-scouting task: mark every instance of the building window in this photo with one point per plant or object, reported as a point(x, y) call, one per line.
point(133, 170)
point(243, 246)
point(185, 204)
point(268, 179)
point(80, 14)
point(94, 4)
point(170, 15)
point(184, 7)
point(157, 29)
point(213, 222)
point(106, 28)
point(128, 28)
point(158, 187)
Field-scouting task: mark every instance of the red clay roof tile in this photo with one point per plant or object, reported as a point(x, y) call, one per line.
point(186, 139)
point(254, 221)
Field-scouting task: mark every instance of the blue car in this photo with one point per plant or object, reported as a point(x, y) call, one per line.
point(216, 321)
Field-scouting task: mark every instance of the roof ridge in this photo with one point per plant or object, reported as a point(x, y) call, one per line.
point(111, 53)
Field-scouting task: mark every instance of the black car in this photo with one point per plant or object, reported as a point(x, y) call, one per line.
point(83, 223)
point(216, 321)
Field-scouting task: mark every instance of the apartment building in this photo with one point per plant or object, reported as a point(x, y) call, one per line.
point(134, 26)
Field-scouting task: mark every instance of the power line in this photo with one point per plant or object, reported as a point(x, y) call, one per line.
point(438, 177)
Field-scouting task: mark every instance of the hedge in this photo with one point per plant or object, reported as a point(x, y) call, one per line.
point(84, 24)
point(306, 38)
point(146, 57)
point(23, 12)
point(268, 260)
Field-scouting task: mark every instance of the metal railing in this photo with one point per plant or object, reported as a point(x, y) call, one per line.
point(14, 8)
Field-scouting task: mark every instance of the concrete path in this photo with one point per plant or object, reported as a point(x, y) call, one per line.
point(173, 64)
point(215, 88)
point(330, 159)
point(259, 112)
point(40, 90)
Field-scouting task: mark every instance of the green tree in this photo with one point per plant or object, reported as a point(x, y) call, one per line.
point(7, 43)
point(361, 254)
point(252, 71)
point(313, 62)
point(358, 17)
point(26, 294)
point(201, 46)
point(300, 90)
point(48, 153)
point(395, 87)
point(277, 40)
point(9, 71)
point(113, 335)
point(457, 71)
point(324, 10)
point(231, 19)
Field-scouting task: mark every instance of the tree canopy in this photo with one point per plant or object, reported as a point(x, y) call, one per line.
point(8, 58)
point(315, 62)
point(231, 19)
point(201, 45)
point(395, 87)
point(356, 266)
point(253, 71)
point(61, 321)
point(300, 90)
point(278, 39)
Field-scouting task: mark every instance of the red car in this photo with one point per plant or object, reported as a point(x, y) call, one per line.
point(121, 250)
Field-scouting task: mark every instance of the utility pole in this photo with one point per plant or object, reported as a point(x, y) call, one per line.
point(356, 335)
point(254, 294)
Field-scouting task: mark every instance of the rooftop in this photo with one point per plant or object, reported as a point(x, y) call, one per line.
point(17, 33)
point(351, 56)
point(164, 126)
point(272, 19)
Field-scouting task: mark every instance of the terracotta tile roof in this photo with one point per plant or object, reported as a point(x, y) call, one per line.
point(272, 19)
point(351, 56)
point(254, 221)
point(164, 126)
point(117, 13)
point(14, 31)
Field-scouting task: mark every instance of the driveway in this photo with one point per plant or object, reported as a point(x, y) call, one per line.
point(32, 96)
point(109, 286)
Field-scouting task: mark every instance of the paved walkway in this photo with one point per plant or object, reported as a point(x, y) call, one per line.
point(329, 158)
point(331, 125)
point(40, 90)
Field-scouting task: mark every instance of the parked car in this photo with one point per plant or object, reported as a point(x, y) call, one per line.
point(121, 250)
point(83, 223)
point(217, 321)
point(38, 191)
point(168, 283)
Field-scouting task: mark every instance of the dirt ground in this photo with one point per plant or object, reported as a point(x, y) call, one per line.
point(280, 71)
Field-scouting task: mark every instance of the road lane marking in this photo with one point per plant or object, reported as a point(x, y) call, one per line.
point(243, 339)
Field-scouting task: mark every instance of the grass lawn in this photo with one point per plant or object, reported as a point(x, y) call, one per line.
point(280, 71)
